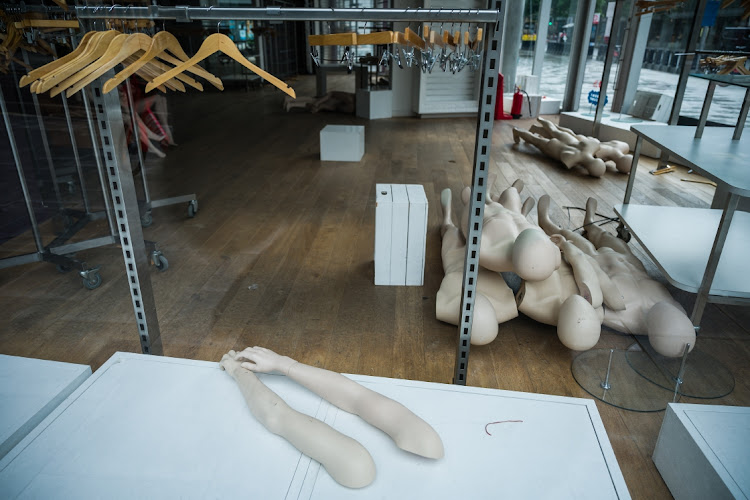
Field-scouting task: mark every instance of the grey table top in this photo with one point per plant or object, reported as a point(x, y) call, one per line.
point(738, 80)
point(715, 155)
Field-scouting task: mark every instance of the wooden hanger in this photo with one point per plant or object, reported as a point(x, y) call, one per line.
point(376, 38)
point(43, 70)
point(474, 45)
point(414, 39)
point(160, 43)
point(94, 50)
point(342, 39)
point(121, 48)
point(221, 43)
point(47, 23)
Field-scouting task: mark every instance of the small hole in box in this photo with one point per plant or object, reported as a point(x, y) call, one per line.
point(384, 192)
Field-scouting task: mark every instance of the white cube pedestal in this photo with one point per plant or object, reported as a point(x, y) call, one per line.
point(374, 104)
point(702, 451)
point(400, 234)
point(342, 143)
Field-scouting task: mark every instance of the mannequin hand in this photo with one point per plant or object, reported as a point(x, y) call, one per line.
point(229, 364)
point(260, 359)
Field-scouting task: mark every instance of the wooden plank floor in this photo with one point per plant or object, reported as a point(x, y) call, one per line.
point(281, 255)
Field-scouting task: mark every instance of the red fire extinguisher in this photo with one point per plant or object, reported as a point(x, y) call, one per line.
point(515, 109)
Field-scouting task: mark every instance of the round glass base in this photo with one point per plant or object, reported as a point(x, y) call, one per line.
point(619, 385)
point(704, 376)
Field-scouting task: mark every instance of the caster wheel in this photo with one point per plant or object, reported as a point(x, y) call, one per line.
point(192, 208)
point(92, 281)
point(623, 233)
point(146, 219)
point(63, 269)
point(161, 263)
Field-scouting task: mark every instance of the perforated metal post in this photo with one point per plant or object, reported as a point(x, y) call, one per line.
point(125, 203)
point(485, 121)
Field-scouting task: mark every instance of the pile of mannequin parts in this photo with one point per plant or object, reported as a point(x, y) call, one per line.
point(573, 149)
point(567, 280)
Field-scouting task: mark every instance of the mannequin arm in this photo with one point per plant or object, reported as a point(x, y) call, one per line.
point(347, 461)
point(407, 430)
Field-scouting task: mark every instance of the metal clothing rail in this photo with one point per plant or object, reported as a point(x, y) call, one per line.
point(119, 169)
point(186, 14)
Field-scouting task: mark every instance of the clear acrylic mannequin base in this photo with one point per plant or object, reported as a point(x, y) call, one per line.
point(639, 379)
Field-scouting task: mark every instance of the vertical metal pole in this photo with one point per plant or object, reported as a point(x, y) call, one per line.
point(21, 176)
point(713, 259)
point(687, 62)
point(482, 145)
point(74, 145)
point(540, 46)
point(704, 110)
point(25, 116)
point(605, 385)
point(608, 60)
point(137, 134)
point(117, 163)
point(633, 167)
point(579, 50)
point(681, 373)
point(45, 142)
point(743, 116)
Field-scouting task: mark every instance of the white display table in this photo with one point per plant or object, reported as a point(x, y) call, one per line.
point(342, 143)
point(153, 427)
point(29, 390)
point(702, 451)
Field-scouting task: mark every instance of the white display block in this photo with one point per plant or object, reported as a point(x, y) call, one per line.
point(29, 390)
point(549, 106)
point(155, 427)
point(400, 234)
point(526, 112)
point(702, 451)
point(528, 83)
point(417, 235)
point(374, 104)
point(342, 143)
point(383, 216)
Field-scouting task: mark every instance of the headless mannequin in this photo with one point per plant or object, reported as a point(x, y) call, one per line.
point(509, 241)
point(614, 154)
point(603, 271)
point(345, 459)
point(494, 301)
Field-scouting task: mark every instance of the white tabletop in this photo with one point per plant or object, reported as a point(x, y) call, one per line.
point(29, 390)
point(715, 155)
point(154, 427)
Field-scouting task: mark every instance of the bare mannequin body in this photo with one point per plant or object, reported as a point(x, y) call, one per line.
point(572, 149)
point(632, 301)
point(509, 241)
point(344, 458)
point(342, 102)
point(494, 303)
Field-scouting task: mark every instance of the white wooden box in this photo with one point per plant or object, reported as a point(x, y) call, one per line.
point(342, 143)
point(400, 234)
point(703, 451)
point(29, 390)
point(374, 104)
point(155, 427)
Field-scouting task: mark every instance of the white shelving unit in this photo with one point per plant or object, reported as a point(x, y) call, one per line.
point(698, 250)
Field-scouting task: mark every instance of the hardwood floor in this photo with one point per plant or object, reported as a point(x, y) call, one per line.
point(281, 255)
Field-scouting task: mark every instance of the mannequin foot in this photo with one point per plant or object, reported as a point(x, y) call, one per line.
point(590, 211)
point(446, 196)
point(516, 136)
point(542, 213)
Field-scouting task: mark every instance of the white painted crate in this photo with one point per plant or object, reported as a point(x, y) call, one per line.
point(342, 143)
point(400, 234)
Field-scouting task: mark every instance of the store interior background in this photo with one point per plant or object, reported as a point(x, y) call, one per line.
point(280, 253)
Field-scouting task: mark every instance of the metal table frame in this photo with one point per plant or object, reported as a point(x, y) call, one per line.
point(118, 162)
point(713, 80)
point(727, 198)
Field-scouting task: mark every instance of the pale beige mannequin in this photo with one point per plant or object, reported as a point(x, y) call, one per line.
point(510, 243)
point(342, 102)
point(494, 302)
point(580, 153)
point(408, 431)
point(646, 307)
point(346, 460)
point(614, 153)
